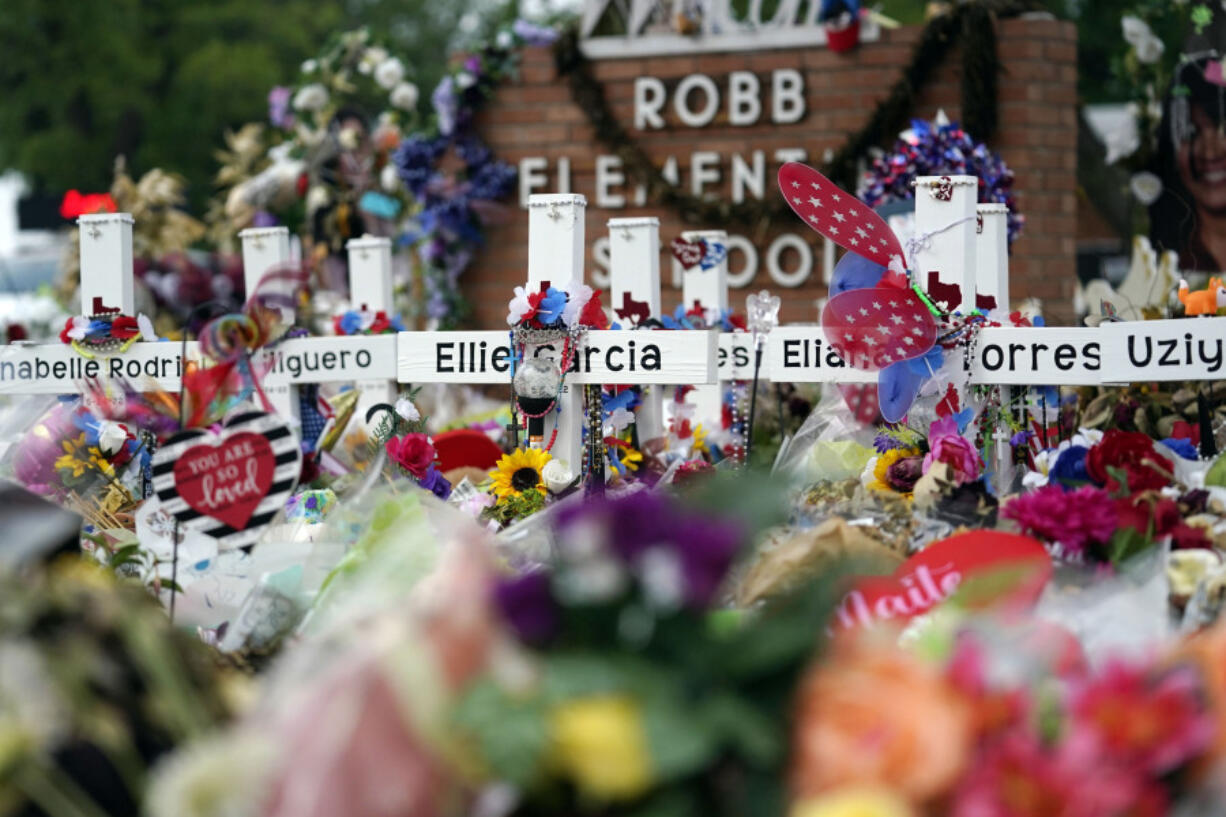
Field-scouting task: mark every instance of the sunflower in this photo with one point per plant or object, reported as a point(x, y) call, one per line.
point(519, 472)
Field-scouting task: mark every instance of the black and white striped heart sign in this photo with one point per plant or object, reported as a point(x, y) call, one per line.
point(229, 485)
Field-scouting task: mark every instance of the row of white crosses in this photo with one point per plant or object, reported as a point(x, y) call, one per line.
point(973, 259)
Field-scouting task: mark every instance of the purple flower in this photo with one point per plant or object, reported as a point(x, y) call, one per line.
point(436, 483)
point(529, 608)
point(473, 65)
point(903, 474)
point(278, 107)
point(1020, 438)
point(533, 34)
point(446, 105)
point(415, 159)
point(884, 443)
point(704, 546)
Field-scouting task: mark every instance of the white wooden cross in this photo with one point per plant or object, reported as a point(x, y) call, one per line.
point(634, 280)
point(355, 358)
point(370, 287)
point(555, 255)
point(106, 280)
point(707, 289)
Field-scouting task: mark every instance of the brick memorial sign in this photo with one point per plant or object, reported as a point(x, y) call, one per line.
point(720, 123)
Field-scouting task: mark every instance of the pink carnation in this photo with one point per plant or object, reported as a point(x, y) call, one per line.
point(1073, 518)
point(958, 453)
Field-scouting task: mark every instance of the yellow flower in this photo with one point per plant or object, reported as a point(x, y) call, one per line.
point(630, 458)
point(519, 472)
point(600, 743)
point(700, 440)
point(880, 483)
point(854, 802)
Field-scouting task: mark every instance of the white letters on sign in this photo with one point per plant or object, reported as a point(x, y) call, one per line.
point(610, 356)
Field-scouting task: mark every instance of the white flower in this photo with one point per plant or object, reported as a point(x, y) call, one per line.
point(577, 296)
point(404, 96)
point(1150, 50)
point(111, 437)
point(220, 776)
point(80, 325)
point(317, 197)
point(868, 476)
point(1146, 187)
point(504, 39)
point(1043, 461)
point(389, 73)
point(662, 578)
point(147, 332)
point(465, 79)
point(1135, 29)
point(518, 306)
point(348, 139)
point(389, 179)
point(1122, 142)
point(406, 409)
point(556, 475)
point(311, 97)
point(309, 66)
point(370, 58)
point(619, 418)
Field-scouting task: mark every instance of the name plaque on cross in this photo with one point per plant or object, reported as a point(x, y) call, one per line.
point(55, 369)
point(609, 356)
point(330, 360)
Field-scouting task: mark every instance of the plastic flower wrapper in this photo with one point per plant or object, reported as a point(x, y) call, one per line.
point(1125, 614)
point(830, 445)
point(356, 713)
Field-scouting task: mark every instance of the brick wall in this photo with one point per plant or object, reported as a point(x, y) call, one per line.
point(534, 117)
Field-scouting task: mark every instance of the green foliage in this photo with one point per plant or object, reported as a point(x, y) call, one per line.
point(160, 81)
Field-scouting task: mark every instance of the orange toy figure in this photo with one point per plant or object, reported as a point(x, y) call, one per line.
point(1205, 301)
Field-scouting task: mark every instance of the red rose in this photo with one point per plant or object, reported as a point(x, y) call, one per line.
point(1133, 453)
point(1185, 536)
point(412, 452)
point(380, 324)
point(1145, 511)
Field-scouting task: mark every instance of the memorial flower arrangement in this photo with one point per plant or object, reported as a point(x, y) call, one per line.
point(940, 148)
point(453, 208)
point(366, 322)
point(409, 449)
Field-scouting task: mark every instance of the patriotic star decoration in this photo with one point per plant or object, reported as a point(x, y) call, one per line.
point(870, 328)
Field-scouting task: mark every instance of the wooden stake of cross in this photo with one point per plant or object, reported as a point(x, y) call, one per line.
point(370, 287)
point(634, 287)
point(106, 280)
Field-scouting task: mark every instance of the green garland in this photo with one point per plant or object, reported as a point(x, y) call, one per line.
point(971, 25)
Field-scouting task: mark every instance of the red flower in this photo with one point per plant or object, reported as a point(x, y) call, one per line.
point(949, 403)
point(1143, 511)
point(593, 315)
point(412, 452)
point(738, 322)
point(64, 332)
point(124, 328)
point(1187, 537)
point(1132, 453)
point(336, 325)
point(1183, 430)
point(304, 182)
point(380, 324)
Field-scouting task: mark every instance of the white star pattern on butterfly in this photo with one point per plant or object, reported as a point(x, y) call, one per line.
point(797, 199)
point(918, 317)
point(836, 198)
point(833, 230)
point(908, 341)
point(839, 217)
point(883, 242)
point(885, 330)
point(795, 184)
point(894, 304)
point(870, 340)
point(887, 358)
point(851, 318)
point(855, 242)
point(901, 352)
point(814, 185)
point(919, 333)
point(860, 232)
point(814, 218)
point(897, 320)
point(815, 201)
point(864, 312)
point(876, 304)
point(849, 336)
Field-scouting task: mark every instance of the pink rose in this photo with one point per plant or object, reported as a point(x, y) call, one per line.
point(959, 454)
point(412, 452)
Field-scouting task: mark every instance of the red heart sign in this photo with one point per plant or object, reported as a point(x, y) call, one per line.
point(876, 327)
point(227, 481)
point(861, 399)
point(936, 572)
point(837, 214)
point(687, 252)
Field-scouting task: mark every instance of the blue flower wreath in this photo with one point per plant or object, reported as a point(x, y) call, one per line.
point(940, 149)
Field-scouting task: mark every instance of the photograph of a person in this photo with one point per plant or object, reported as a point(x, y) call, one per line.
point(1190, 215)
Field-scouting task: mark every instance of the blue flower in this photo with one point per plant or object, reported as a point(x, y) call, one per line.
point(1069, 470)
point(351, 323)
point(550, 309)
point(1182, 446)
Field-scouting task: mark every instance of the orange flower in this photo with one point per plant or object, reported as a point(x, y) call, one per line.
point(875, 715)
point(1207, 652)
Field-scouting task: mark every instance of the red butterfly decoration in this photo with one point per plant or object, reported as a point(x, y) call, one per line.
point(838, 215)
